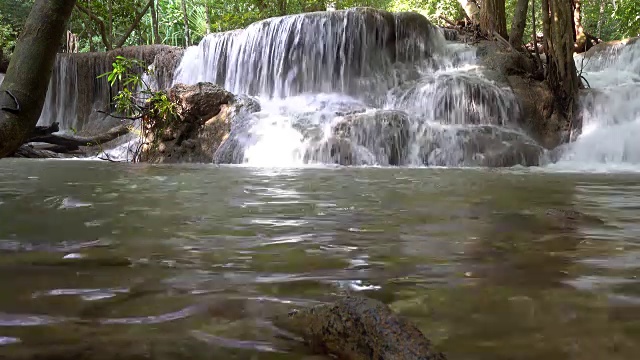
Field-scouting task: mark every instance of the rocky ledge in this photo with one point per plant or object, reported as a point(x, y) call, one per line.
point(205, 113)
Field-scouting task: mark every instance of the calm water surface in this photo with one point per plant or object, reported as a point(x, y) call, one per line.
point(102, 260)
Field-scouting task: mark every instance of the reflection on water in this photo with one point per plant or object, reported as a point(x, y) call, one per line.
point(123, 259)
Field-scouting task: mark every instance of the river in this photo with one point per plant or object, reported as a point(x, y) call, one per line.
point(111, 260)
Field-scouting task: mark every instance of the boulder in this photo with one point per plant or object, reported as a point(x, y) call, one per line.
point(358, 328)
point(536, 101)
point(489, 146)
point(202, 123)
point(384, 133)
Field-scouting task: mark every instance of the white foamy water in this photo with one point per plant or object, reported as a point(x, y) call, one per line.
point(611, 122)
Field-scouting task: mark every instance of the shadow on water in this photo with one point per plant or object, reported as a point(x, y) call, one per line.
point(192, 261)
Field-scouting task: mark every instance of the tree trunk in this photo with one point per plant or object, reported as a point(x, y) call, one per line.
point(493, 18)
point(579, 36)
point(603, 4)
point(154, 24)
point(282, 7)
point(70, 143)
point(110, 19)
point(561, 73)
point(24, 88)
point(207, 12)
point(133, 26)
point(534, 39)
point(518, 24)
point(90, 29)
point(187, 35)
point(104, 29)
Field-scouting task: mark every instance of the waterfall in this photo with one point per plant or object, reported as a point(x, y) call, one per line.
point(359, 87)
point(610, 110)
point(62, 95)
point(77, 97)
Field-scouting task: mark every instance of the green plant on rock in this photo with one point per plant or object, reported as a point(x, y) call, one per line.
point(137, 100)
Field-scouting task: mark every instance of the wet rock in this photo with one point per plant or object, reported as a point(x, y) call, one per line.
point(536, 102)
point(609, 47)
point(334, 151)
point(450, 34)
point(203, 121)
point(415, 36)
point(480, 146)
point(248, 103)
point(357, 328)
point(505, 62)
point(384, 133)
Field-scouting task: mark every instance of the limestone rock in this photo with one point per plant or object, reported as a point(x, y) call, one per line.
point(384, 133)
point(536, 102)
point(357, 328)
point(481, 146)
point(203, 122)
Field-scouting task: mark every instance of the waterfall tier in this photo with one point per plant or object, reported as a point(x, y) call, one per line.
point(359, 87)
point(610, 109)
point(76, 92)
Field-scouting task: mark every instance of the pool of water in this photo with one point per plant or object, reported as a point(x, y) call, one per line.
point(121, 261)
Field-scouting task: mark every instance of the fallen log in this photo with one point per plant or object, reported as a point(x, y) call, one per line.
point(357, 328)
point(71, 143)
point(30, 152)
point(45, 130)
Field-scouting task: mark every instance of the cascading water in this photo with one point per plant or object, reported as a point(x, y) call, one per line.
point(358, 87)
point(62, 96)
point(611, 111)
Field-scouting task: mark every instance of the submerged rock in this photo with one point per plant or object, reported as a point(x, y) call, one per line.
point(357, 328)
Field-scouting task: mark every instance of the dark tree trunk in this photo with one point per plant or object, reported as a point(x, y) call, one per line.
point(579, 36)
point(185, 16)
point(534, 39)
point(24, 89)
point(104, 29)
point(561, 73)
point(154, 24)
point(493, 18)
point(207, 11)
point(603, 3)
point(282, 7)
point(518, 24)
point(136, 22)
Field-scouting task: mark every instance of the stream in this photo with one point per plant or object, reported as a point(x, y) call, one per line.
point(111, 261)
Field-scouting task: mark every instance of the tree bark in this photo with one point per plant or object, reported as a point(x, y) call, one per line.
point(23, 91)
point(187, 35)
point(471, 9)
point(493, 18)
point(207, 12)
point(579, 36)
point(561, 73)
point(133, 26)
point(71, 143)
point(534, 39)
point(603, 3)
point(518, 24)
point(104, 34)
point(154, 24)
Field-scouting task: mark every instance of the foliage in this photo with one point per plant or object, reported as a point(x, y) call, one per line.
point(137, 100)
point(608, 19)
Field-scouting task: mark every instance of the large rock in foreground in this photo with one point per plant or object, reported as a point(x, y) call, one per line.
point(356, 328)
point(202, 123)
